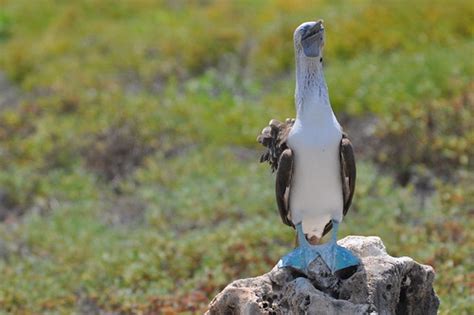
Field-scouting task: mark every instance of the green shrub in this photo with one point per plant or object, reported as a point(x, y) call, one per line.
point(437, 134)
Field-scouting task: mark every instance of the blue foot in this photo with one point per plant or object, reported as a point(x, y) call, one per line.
point(336, 257)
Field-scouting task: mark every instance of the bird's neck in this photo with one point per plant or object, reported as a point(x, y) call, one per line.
point(311, 94)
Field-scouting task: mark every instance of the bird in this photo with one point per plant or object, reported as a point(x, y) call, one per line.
point(314, 162)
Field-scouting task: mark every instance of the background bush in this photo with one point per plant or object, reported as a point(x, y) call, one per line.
point(129, 179)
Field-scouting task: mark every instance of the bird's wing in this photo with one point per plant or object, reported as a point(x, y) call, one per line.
point(280, 158)
point(282, 185)
point(348, 171)
point(348, 175)
point(274, 137)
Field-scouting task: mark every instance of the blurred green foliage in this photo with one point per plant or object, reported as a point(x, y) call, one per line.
point(128, 165)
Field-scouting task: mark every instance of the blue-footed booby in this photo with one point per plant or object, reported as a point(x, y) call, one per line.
point(314, 162)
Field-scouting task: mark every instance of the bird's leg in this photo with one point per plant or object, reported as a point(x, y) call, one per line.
point(302, 241)
point(339, 260)
point(335, 229)
point(301, 256)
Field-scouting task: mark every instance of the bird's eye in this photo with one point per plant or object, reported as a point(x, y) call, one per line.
point(321, 59)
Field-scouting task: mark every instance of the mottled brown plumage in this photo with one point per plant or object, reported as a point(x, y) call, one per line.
point(280, 158)
point(274, 137)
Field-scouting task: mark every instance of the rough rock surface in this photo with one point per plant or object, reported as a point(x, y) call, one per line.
point(382, 284)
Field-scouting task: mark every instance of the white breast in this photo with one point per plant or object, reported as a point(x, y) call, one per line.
point(316, 191)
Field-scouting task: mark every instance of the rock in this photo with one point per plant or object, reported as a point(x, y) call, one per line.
point(382, 284)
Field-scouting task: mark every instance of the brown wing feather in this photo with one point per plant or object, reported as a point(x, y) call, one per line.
point(348, 171)
point(348, 175)
point(280, 158)
point(282, 185)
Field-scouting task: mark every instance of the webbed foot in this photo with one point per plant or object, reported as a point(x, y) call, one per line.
point(339, 260)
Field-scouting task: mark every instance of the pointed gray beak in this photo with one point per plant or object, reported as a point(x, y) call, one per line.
point(313, 39)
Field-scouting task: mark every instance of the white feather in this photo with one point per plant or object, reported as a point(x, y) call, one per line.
point(316, 189)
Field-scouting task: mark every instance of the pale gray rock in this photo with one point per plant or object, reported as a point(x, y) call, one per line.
point(382, 284)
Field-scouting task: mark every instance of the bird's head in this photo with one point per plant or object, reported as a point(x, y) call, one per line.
point(309, 39)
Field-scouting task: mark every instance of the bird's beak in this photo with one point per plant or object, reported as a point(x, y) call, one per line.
point(313, 39)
